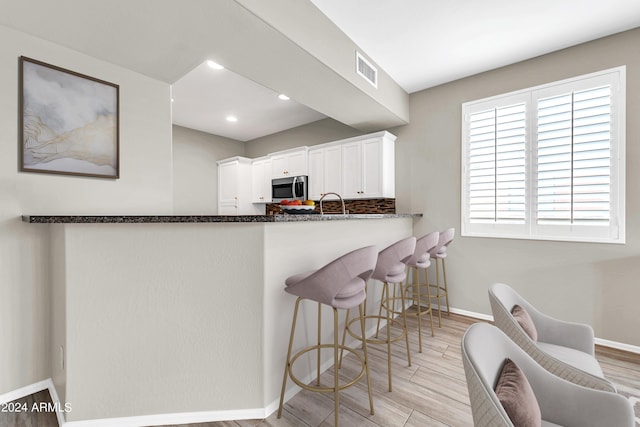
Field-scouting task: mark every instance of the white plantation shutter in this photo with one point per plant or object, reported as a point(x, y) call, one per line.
point(547, 162)
point(497, 165)
point(574, 150)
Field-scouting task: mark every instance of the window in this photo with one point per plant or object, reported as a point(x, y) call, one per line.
point(547, 162)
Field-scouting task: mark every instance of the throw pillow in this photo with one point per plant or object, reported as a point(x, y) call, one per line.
point(517, 398)
point(524, 320)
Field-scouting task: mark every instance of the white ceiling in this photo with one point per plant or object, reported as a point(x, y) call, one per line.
point(419, 43)
point(204, 97)
point(424, 43)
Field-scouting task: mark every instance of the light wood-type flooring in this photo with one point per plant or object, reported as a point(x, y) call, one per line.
point(432, 392)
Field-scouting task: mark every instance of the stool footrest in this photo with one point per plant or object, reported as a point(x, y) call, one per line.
point(375, 340)
point(441, 290)
point(326, 389)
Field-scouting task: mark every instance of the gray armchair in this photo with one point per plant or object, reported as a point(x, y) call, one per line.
point(565, 349)
point(484, 351)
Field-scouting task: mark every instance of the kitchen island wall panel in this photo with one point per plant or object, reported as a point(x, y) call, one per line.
point(190, 321)
point(292, 248)
point(161, 318)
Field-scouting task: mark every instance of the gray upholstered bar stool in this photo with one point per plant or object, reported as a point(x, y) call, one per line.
point(420, 261)
point(340, 285)
point(390, 270)
point(439, 253)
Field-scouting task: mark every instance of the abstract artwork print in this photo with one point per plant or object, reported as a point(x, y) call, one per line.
point(69, 122)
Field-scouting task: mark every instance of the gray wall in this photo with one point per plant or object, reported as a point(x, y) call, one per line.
point(31, 323)
point(325, 130)
point(195, 173)
point(593, 283)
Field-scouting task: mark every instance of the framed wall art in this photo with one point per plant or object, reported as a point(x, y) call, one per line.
point(69, 122)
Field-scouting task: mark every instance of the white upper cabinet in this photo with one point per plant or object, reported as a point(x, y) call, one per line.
point(361, 167)
point(325, 171)
point(316, 173)
point(289, 163)
point(261, 180)
point(234, 187)
point(368, 167)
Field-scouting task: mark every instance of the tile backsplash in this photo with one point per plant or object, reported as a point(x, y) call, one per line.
point(360, 206)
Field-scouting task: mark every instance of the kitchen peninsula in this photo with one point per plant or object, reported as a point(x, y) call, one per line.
point(185, 317)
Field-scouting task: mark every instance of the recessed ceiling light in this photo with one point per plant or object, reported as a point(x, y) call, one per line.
point(232, 119)
point(215, 65)
point(283, 97)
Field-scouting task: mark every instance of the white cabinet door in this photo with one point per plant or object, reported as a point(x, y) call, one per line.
point(261, 181)
point(297, 163)
point(352, 170)
point(325, 172)
point(279, 166)
point(234, 187)
point(228, 181)
point(316, 173)
point(368, 168)
point(289, 163)
point(371, 168)
point(332, 171)
point(228, 209)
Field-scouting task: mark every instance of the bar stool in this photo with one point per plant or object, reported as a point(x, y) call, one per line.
point(421, 261)
point(439, 253)
point(340, 285)
point(390, 269)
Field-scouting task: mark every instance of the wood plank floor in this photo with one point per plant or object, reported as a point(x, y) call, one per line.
point(27, 412)
point(431, 392)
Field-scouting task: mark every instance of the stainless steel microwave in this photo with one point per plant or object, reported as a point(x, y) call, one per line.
point(289, 188)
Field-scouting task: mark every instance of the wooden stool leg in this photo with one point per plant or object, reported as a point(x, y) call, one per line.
point(366, 357)
point(404, 323)
point(336, 388)
point(287, 363)
point(438, 293)
point(319, 342)
point(416, 272)
point(426, 278)
point(344, 338)
point(380, 309)
point(386, 290)
point(446, 289)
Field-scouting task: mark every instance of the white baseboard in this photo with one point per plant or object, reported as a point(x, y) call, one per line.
point(56, 401)
point(213, 416)
point(618, 345)
point(166, 419)
point(605, 343)
point(35, 388)
point(472, 314)
point(25, 391)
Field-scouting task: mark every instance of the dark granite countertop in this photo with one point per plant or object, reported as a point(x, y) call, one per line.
point(143, 219)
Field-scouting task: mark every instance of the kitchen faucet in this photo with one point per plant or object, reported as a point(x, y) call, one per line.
point(335, 194)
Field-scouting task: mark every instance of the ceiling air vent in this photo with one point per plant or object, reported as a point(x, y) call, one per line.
point(366, 70)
